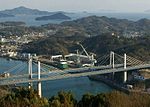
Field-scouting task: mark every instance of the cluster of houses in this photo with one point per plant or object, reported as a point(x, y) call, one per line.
point(10, 45)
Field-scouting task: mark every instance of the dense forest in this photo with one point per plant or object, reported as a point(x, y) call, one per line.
point(101, 44)
point(22, 97)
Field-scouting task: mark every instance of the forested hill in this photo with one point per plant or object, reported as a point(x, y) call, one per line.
point(24, 11)
point(57, 16)
point(101, 44)
point(94, 25)
point(99, 35)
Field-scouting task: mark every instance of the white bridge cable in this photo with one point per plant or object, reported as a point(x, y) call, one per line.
point(15, 67)
point(47, 70)
point(100, 58)
point(48, 66)
point(122, 57)
point(118, 60)
point(135, 60)
point(131, 60)
point(104, 60)
point(128, 61)
point(21, 69)
point(42, 69)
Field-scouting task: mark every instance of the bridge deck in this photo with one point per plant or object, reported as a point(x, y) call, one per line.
point(68, 75)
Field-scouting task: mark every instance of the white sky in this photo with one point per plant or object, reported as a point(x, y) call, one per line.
point(79, 5)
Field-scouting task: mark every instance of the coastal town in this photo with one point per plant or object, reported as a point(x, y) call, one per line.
point(11, 45)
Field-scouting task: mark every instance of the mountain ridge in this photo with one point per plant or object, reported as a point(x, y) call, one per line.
point(29, 11)
point(23, 10)
point(57, 16)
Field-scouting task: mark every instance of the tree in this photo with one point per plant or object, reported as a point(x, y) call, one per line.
point(63, 99)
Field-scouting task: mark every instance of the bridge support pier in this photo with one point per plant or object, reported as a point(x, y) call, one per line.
point(39, 82)
point(30, 69)
point(125, 77)
point(125, 66)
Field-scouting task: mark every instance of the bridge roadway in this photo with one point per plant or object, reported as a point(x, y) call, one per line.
point(56, 72)
point(83, 74)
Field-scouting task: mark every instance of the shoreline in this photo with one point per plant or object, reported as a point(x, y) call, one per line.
point(14, 58)
point(109, 83)
point(115, 85)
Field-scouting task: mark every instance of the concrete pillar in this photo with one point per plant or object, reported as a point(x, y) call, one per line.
point(125, 66)
point(113, 63)
point(29, 64)
point(110, 59)
point(39, 82)
point(29, 69)
point(39, 89)
point(113, 60)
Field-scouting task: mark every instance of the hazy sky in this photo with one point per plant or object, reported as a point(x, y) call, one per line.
point(79, 5)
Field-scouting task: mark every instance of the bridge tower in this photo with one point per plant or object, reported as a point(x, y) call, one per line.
point(30, 69)
point(39, 82)
point(125, 66)
point(112, 61)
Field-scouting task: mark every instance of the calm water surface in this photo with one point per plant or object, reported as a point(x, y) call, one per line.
point(78, 86)
point(30, 19)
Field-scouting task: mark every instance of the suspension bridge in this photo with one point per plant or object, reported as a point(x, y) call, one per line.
point(110, 63)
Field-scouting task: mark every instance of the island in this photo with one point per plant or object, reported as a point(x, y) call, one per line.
point(57, 16)
point(24, 11)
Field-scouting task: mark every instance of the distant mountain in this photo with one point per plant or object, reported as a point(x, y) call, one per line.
point(95, 25)
point(5, 15)
point(12, 23)
point(57, 16)
point(24, 11)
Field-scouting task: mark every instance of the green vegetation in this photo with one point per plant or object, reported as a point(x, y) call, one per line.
point(22, 97)
point(57, 16)
point(94, 25)
point(52, 45)
point(101, 44)
point(63, 99)
point(105, 43)
point(99, 35)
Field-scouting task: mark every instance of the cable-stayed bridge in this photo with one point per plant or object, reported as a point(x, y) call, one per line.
point(110, 63)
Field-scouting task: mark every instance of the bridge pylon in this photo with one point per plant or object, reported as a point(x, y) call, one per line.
point(39, 85)
point(30, 69)
point(112, 61)
point(125, 66)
